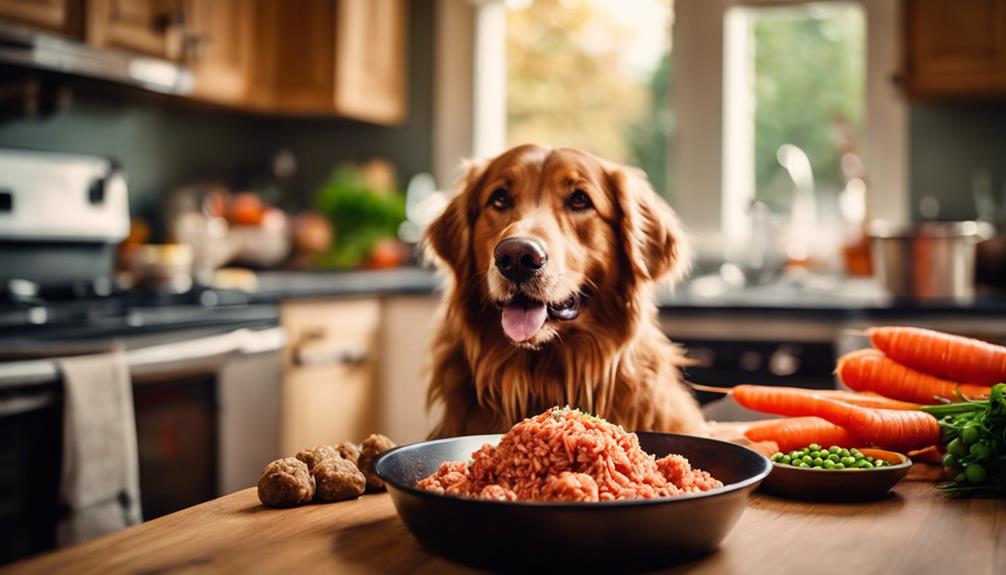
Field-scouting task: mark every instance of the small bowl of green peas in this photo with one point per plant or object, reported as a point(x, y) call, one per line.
point(835, 473)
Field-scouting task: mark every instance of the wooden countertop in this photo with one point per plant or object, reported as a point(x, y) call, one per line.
point(914, 531)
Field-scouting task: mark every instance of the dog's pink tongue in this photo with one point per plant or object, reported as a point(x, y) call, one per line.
point(521, 322)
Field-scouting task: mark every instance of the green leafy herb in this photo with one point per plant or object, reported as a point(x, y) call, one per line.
point(974, 433)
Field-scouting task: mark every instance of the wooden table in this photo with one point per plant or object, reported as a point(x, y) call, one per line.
point(914, 531)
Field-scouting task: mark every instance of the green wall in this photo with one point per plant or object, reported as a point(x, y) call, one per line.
point(948, 144)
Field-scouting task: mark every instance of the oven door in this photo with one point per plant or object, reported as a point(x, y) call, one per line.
point(207, 421)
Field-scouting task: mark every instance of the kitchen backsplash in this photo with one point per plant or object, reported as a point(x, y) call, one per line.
point(163, 144)
point(949, 143)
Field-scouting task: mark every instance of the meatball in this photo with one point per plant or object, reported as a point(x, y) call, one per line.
point(285, 483)
point(350, 451)
point(338, 479)
point(316, 455)
point(369, 450)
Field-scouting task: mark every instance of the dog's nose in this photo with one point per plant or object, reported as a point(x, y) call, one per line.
point(519, 258)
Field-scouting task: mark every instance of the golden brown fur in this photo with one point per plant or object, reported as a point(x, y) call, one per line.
point(612, 360)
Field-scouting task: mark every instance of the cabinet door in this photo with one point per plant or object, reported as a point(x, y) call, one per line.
point(329, 374)
point(221, 32)
point(370, 67)
point(152, 27)
point(294, 70)
point(956, 47)
point(64, 16)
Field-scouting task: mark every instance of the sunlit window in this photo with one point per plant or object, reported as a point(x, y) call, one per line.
point(591, 74)
point(793, 112)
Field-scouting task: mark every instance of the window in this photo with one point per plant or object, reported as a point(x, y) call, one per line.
point(591, 74)
point(793, 110)
point(790, 104)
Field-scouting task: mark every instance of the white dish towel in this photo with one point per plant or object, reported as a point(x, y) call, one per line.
point(100, 486)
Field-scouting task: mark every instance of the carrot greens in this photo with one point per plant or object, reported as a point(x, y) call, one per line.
point(974, 433)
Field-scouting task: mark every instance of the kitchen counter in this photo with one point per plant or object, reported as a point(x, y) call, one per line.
point(820, 297)
point(280, 285)
point(913, 531)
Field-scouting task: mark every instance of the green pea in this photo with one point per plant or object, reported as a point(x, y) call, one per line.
point(870, 459)
point(975, 473)
point(847, 461)
point(844, 452)
point(833, 457)
point(807, 459)
point(855, 452)
point(803, 464)
point(776, 456)
point(864, 464)
point(879, 463)
point(805, 450)
point(979, 450)
point(957, 447)
point(814, 447)
point(829, 464)
point(784, 460)
point(970, 434)
point(818, 462)
point(834, 449)
point(839, 466)
point(795, 454)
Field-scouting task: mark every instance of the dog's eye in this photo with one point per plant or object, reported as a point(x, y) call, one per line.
point(579, 201)
point(500, 200)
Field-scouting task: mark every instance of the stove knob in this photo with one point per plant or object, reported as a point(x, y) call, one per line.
point(784, 361)
point(751, 361)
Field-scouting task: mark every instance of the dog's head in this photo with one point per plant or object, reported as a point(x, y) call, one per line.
point(555, 238)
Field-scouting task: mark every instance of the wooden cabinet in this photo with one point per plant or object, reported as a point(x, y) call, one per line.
point(151, 27)
point(329, 389)
point(63, 16)
point(220, 34)
point(956, 48)
point(347, 58)
point(305, 57)
point(370, 55)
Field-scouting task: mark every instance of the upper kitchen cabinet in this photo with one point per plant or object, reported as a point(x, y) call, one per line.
point(956, 48)
point(63, 16)
point(151, 27)
point(347, 59)
point(219, 35)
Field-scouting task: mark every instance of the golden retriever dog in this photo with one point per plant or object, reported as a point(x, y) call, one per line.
point(553, 255)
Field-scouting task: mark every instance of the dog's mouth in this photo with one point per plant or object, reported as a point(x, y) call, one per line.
point(523, 316)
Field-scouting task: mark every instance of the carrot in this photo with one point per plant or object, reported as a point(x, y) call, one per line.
point(796, 432)
point(871, 370)
point(868, 399)
point(941, 354)
point(931, 454)
point(892, 429)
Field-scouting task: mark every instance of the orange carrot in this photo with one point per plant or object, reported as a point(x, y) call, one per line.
point(931, 454)
point(941, 354)
point(796, 432)
point(871, 370)
point(867, 399)
point(888, 428)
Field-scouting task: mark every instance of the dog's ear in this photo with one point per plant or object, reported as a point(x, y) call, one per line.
point(654, 243)
point(448, 238)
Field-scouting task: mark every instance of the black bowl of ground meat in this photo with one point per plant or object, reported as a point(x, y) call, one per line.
point(559, 536)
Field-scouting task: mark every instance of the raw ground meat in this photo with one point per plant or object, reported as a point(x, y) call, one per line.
point(567, 455)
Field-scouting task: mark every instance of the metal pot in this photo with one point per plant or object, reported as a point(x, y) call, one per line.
point(927, 261)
